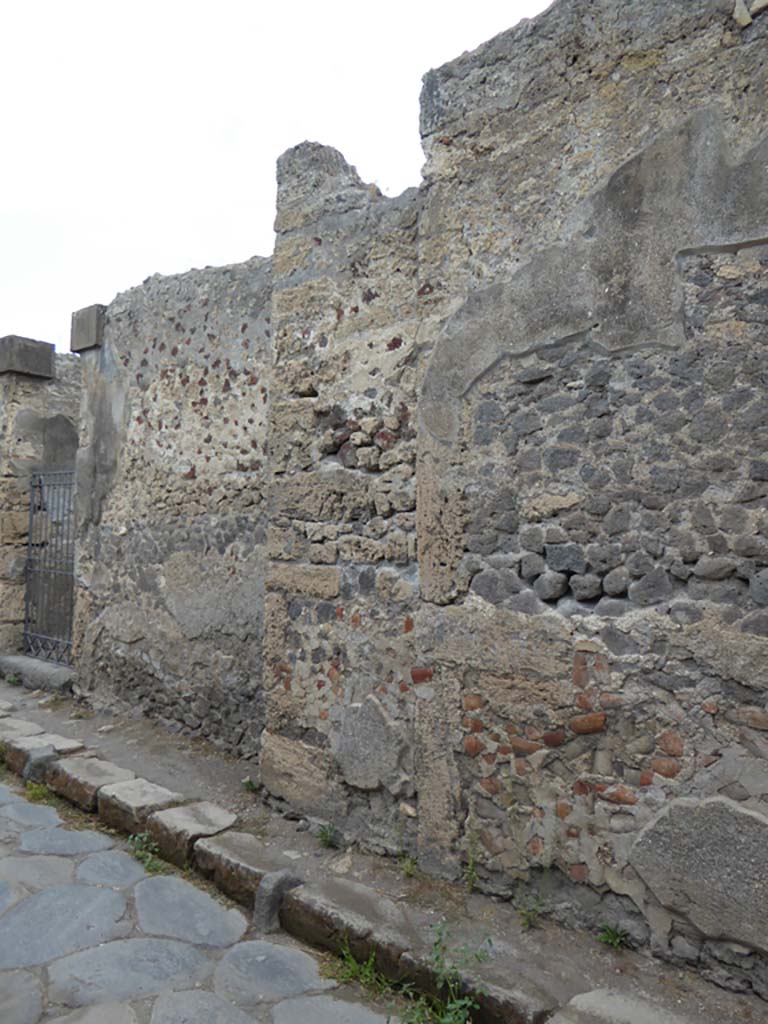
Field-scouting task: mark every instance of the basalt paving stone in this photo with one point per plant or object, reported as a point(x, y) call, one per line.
point(176, 829)
point(37, 872)
point(21, 1000)
point(9, 894)
point(194, 1007)
point(104, 1013)
point(67, 842)
point(127, 805)
point(175, 909)
point(79, 779)
point(127, 969)
point(254, 973)
point(8, 796)
point(58, 921)
point(113, 868)
point(30, 816)
point(326, 1010)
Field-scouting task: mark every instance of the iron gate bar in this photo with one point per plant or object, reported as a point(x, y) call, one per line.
point(50, 568)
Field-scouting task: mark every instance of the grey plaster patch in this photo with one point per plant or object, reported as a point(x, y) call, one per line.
point(127, 969)
point(173, 908)
point(706, 859)
point(326, 1010)
point(113, 868)
point(21, 1000)
point(69, 843)
point(58, 921)
point(30, 815)
point(190, 1007)
point(104, 1013)
point(37, 872)
point(257, 972)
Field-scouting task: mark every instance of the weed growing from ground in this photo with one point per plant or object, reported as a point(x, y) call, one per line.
point(449, 1006)
point(38, 793)
point(329, 837)
point(250, 785)
point(616, 938)
point(13, 680)
point(408, 865)
point(529, 916)
point(147, 852)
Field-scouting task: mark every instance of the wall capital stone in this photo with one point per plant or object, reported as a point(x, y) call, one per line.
point(87, 328)
point(27, 356)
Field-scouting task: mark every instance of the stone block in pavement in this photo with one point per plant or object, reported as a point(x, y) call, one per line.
point(602, 1006)
point(237, 862)
point(79, 779)
point(104, 1013)
point(176, 829)
point(337, 909)
point(13, 728)
point(17, 750)
point(326, 1010)
point(174, 909)
point(21, 997)
point(127, 805)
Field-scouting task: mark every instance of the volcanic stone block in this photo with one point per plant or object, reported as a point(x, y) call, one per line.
point(17, 750)
point(13, 728)
point(177, 829)
point(79, 779)
point(127, 805)
point(237, 862)
point(87, 329)
point(706, 859)
point(25, 355)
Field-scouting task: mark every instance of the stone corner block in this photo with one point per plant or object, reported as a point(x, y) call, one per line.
point(79, 779)
point(127, 805)
point(237, 862)
point(27, 356)
point(18, 750)
point(87, 328)
point(706, 860)
point(176, 829)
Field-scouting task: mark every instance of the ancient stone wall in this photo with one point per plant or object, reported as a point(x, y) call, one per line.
point(502, 546)
point(170, 481)
point(39, 411)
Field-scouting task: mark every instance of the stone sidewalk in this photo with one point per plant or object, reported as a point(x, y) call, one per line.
point(82, 925)
point(548, 974)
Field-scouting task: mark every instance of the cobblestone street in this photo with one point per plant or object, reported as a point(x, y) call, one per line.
point(88, 937)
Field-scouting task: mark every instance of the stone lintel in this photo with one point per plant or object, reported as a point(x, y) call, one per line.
point(27, 356)
point(87, 328)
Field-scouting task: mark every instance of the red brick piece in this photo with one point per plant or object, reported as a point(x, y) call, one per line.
point(619, 795)
point(583, 724)
point(491, 785)
point(521, 746)
point(671, 743)
point(580, 788)
point(580, 669)
point(422, 674)
point(666, 766)
point(579, 872)
point(473, 746)
point(556, 738)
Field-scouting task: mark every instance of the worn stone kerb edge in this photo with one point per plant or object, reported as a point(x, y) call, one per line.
point(497, 1005)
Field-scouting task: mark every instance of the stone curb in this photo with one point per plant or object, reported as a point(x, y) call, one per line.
point(200, 835)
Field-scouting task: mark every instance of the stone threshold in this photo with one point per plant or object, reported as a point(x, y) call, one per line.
point(331, 913)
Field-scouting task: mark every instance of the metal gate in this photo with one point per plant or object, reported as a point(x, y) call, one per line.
point(50, 570)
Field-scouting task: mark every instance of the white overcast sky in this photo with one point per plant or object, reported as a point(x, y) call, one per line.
point(141, 137)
